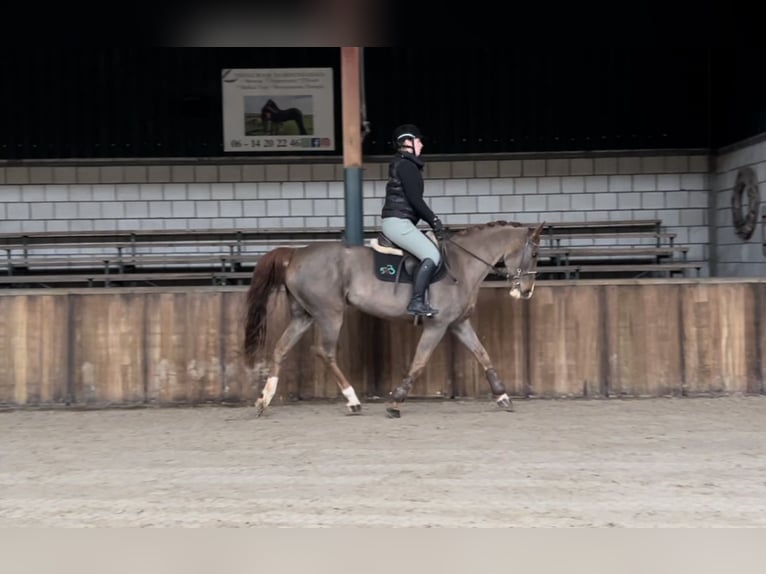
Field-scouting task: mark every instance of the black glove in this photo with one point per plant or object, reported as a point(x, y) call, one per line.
point(439, 230)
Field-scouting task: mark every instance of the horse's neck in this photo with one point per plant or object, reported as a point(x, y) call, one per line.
point(479, 251)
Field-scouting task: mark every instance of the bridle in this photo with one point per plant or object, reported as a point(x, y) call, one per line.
point(517, 275)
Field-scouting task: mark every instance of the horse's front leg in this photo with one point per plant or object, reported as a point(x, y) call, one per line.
point(466, 335)
point(429, 339)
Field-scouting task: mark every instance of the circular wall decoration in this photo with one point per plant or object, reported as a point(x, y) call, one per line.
point(745, 216)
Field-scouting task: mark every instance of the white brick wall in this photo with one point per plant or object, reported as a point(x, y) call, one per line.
point(738, 257)
point(675, 188)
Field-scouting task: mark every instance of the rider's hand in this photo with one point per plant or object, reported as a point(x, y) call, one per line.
point(439, 230)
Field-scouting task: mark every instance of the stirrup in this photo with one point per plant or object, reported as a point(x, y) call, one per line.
point(423, 311)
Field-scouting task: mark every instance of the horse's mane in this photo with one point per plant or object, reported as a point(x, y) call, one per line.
point(499, 222)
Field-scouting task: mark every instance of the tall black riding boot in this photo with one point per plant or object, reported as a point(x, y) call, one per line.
point(418, 305)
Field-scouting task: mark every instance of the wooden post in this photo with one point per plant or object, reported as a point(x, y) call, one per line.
point(352, 144)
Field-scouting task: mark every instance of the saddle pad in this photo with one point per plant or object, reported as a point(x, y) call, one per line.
point(387, 267)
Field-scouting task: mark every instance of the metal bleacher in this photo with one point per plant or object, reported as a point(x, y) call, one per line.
point(136, 258)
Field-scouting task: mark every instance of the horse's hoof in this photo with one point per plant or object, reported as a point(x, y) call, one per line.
point(258, 407)
point(504, 402)
point(354, 409)
point(393, 413)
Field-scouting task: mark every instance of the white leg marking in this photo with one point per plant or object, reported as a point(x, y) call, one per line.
point(351, 396)
point(503, 399)
point(269, 389)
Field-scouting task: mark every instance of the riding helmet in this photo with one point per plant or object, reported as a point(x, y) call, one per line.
point(405, 131)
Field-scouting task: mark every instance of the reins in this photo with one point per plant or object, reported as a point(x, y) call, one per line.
point(516, 277)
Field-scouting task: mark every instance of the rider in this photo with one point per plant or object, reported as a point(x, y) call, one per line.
point(404, 207)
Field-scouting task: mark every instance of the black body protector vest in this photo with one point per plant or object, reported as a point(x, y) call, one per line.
point(396, 203)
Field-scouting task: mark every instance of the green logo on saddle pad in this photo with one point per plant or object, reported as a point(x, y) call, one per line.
point(387, 270)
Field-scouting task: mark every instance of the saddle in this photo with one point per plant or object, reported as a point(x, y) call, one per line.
point(397, 265)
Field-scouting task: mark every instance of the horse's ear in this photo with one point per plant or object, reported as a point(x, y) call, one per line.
point(538, 231)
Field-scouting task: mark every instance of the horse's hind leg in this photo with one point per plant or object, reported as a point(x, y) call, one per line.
point(466, 335)
point(300, 322)
point(329, 325)
point(429, 339)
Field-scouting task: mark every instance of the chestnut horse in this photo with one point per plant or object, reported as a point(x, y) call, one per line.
point(321, 278)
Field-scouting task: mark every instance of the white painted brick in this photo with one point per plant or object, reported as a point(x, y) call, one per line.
point(64, 210)
point(433, 187)
point(113, 210)
point(456, 187)
point(549, 185)
point(160, 209)
point(463, 169)
point(253, 173)
point(511, 204)
point(316, 222)
point(652, 200)
point(80, 193)
point(372, 205)
point(10, 226)
point(292, 222)
point(198, 191)
point(487, 168)
point(230, 208)
point(644, 183)
point(34, 193)
point(245, 190)
point(158, 173)
point(33, 226)
point(478, 187)
point(111, 174)
point(254, 207)
point(488, 203)
point(572, 184)
point(230, 173)
point(582, 202)
point(277, 207)
point(525, 186)
point(581, 166)
point(557, 167)
point(174, 191)
point(136, 209)
point(269, 191)
point(652, 164)
point(620, 183)
point(535, 202)
point(628, 165)
point(40, 210)
point(669, 217)
point(221, 191)
point(605, 165)
point(677, 199)
point(10, 193)
point(151, 192)
point(326, 207)
point(315, 190)
point(201, 173)
point(442, 205)
point(501, 187)
point(677, 164)
point(698, 199)
point(559, 202)
point(64, 174)
point(88, 210)
point(510, 168)
point(302, 207)
point(336, 189)
point(605, 201)
point(125, 193)
point(292, 190)
point(533, 167)
point(693, 217)
point(465, 204)
point(668, 182)
point(596, 184)
point(693, 181)
point(194, 208)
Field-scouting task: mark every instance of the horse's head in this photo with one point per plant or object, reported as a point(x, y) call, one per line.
point(521, 263)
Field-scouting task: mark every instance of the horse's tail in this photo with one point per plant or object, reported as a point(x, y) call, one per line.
point(269, 274)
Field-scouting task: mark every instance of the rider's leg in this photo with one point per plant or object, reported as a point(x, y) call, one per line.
point(407, 236)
